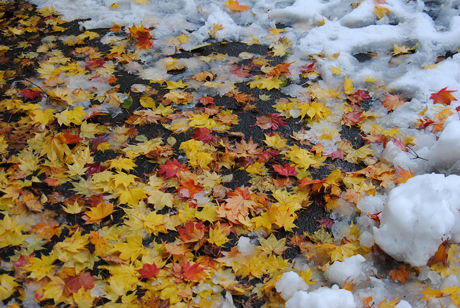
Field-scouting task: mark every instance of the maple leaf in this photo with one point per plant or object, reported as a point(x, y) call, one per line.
point(286, 170)
point(148, 270)
point(83, 281)
point(189, 189)
point(404, 175)
point(142, 35)
point(307, 68)
point(272, 245)
point(235, 6)
point(122, 164)
point(193, 232)
point(392, 102)
point(203, 134)
point(172, 168)
point(381, 11)
point(443, 96)
point(399, 274)
point(30, 95)
point(245, 149)
point(390, 304)
point(431, 293)
point(271, 120)
point(325, 222)
point(7, 286)
point(218, 235)
point(440, 255)
point(132, 249)
point(280, 69)
point(266, 83)
point(98, 213)
point(193, 272)
point(352, 118)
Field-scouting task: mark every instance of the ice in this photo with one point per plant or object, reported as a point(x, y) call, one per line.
point(333, 297)
point(418, 216)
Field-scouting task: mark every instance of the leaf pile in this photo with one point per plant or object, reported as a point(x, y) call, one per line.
point(136, 184)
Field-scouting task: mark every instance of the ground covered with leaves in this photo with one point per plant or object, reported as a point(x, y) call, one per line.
point(120, 187)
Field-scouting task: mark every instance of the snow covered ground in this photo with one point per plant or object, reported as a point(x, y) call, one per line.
point(416, 217)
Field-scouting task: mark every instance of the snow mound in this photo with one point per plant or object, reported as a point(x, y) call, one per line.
point(419, 216)
point(445, 154)
point(290, 283)
point(348, 270)
point(322, 298)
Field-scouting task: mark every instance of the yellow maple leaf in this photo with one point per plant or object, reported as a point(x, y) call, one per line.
point(122, 164)
point(55, 147)
point(381, 11)
point(275, 141)
point(390, 304)
point(98, 213)
point(215, 28)
point(236, 6)
point(73, 208)
point(272, 245)
point(132, 249)
point(43, 117)
point(218, 235)
point(171, 85)
point(141, 1)
point(114, 6)
point(124, 179)
point(348, 85)
point(7, 286)
point(266, 83)
point(335, 70)
point(353, 156)
point(55, 290)
point(400, 50)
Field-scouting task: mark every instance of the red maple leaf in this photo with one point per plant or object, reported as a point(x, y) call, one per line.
point(192, 272)
point(193, 232)
point(148, 270)
point(206, 100)
point(443, 97)
point(203, 134)
point(96, 141)
point(425, 123)
point(241, 71)
point(142, 35)
point(307, 68)
point(268, 153)
point(337, 154)
point(94, 168)
point(70, 139)
point(286, 170)
point(352, 118)
point(94, 64)
point(325, 222)
point(271, 120)
point(171, 168)
point(83, 280)
point(29, 94)
point(358, 97)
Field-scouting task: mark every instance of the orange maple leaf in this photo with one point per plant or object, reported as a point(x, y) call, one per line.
point(98, 213)
point(235, 6)
point(440, 255)
point(399, 274)
point(404, 175)
point(193, 232)
point(392, 102)
point(443, 97)
point(142, 35)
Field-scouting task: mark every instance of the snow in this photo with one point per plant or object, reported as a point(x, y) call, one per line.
point(349, 270)
point(289, 284)
point(333, 297)
point(416, 216)
point(419, 215)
